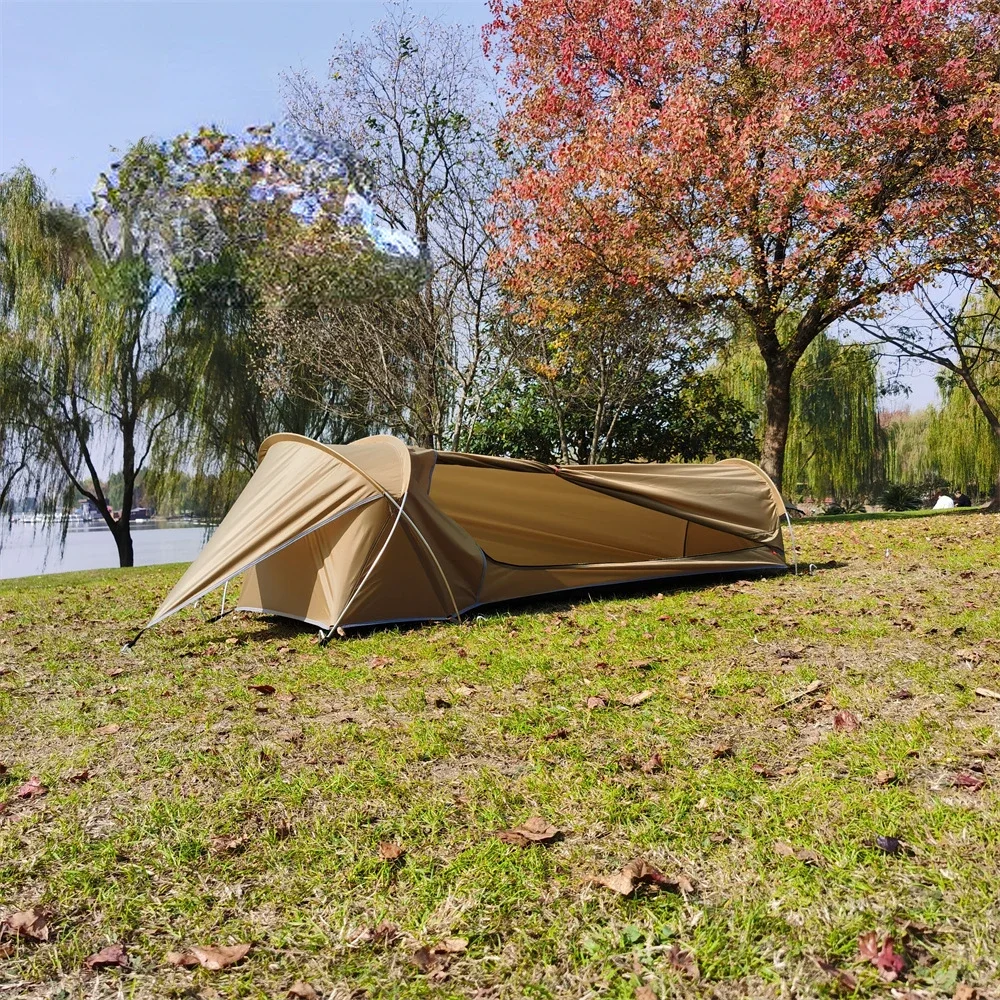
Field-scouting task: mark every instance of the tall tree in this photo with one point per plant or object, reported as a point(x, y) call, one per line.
point(964, 342)
point(87, 360)
point(413, 99)
point(771, 157)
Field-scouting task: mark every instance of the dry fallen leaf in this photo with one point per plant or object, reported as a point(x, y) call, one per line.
point(262, 688)
point(380, 661)
point(300, 990)
point(31, 789)
point(533, 830)
point(229, 844)
point(7, 948)
point(557, 734)
point(435, 959)
point(966, 779)
point(721, 750)
point(390, 851)
point(843, 979)
point(683, 962)
point(212, 959)
point(594, 702)
point(883, 957)
point(32, 924)
point(632, 700)
point(845, 722)
point(113, 955)
point(963, 991)
point(885, 778)
point(640, 872)
point(988, 693)
point(644, 993)
point(802, 854)
point(654, 764)
point(109, 730)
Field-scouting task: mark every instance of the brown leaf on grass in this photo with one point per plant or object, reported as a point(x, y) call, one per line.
point(376, 662)
point(213, 959)
point(811, 688)
point(644, 993)
point(433, 960)
point(762, 771)
point(436, 701)
point(966, 779)
point(594, 702)
point(385, 935)
point(885, 778)
point(32, 924)
point(3, 769)
point(683, 962)
point(7, 949)
point(31, 789)
point(80, 777)
point(109, 730)
point(963, 991)
point(632, 700)
point(262, 688)
point(988, 693)
point(883, 957)
point(557, 734)
point(721, 750)
point(845, 721)
point(113, 955)
point(901, 695)
point(300, 990)
point(389, 850)
point(533, 830)
point(843, 979)
point(183, 959)
point(802, 854)
point(229, 843)
point(654, 764)
point(639, 872)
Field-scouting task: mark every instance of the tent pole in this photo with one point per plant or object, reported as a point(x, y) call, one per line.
point(791, 538)
point(368, 572)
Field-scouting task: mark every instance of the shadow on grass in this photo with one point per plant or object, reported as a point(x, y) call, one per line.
point(890, 515)
point(274, 628)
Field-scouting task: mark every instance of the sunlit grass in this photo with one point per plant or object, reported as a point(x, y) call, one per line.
point(437, 737)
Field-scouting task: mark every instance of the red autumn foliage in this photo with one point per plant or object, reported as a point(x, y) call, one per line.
point(794, 161)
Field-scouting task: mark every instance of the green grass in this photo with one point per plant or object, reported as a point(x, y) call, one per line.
point(357, 747)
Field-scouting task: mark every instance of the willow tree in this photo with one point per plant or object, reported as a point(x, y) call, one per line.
point(86, 363)
point(835, 444)
point(964, 342)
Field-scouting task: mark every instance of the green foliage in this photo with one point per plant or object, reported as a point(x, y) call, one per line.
point(965, 449)
point(835, 444)
point(900, 496)
point(689, 420)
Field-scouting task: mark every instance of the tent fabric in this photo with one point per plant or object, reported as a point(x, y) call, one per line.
point(375, 532)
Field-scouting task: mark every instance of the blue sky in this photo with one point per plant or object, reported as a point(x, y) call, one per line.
point(78, 78)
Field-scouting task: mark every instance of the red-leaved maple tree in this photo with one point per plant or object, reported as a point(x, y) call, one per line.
point(786, 162)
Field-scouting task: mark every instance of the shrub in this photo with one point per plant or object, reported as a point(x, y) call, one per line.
point(901, 496)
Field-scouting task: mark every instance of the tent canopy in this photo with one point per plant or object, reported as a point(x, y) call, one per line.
point(374, 531)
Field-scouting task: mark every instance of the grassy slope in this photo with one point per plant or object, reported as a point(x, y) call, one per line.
point(366, 751)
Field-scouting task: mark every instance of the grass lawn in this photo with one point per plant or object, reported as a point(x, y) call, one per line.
point(782, 725)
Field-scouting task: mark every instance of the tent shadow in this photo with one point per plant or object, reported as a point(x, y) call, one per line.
point(272, 627)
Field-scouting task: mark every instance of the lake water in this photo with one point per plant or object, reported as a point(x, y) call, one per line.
point(28, 549)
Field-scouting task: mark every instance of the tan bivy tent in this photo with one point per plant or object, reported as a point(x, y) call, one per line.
point(374, 532)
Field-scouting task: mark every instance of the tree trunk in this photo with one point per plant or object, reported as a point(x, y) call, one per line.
point(123, 539)
point(777, 413)
point(993, 419)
